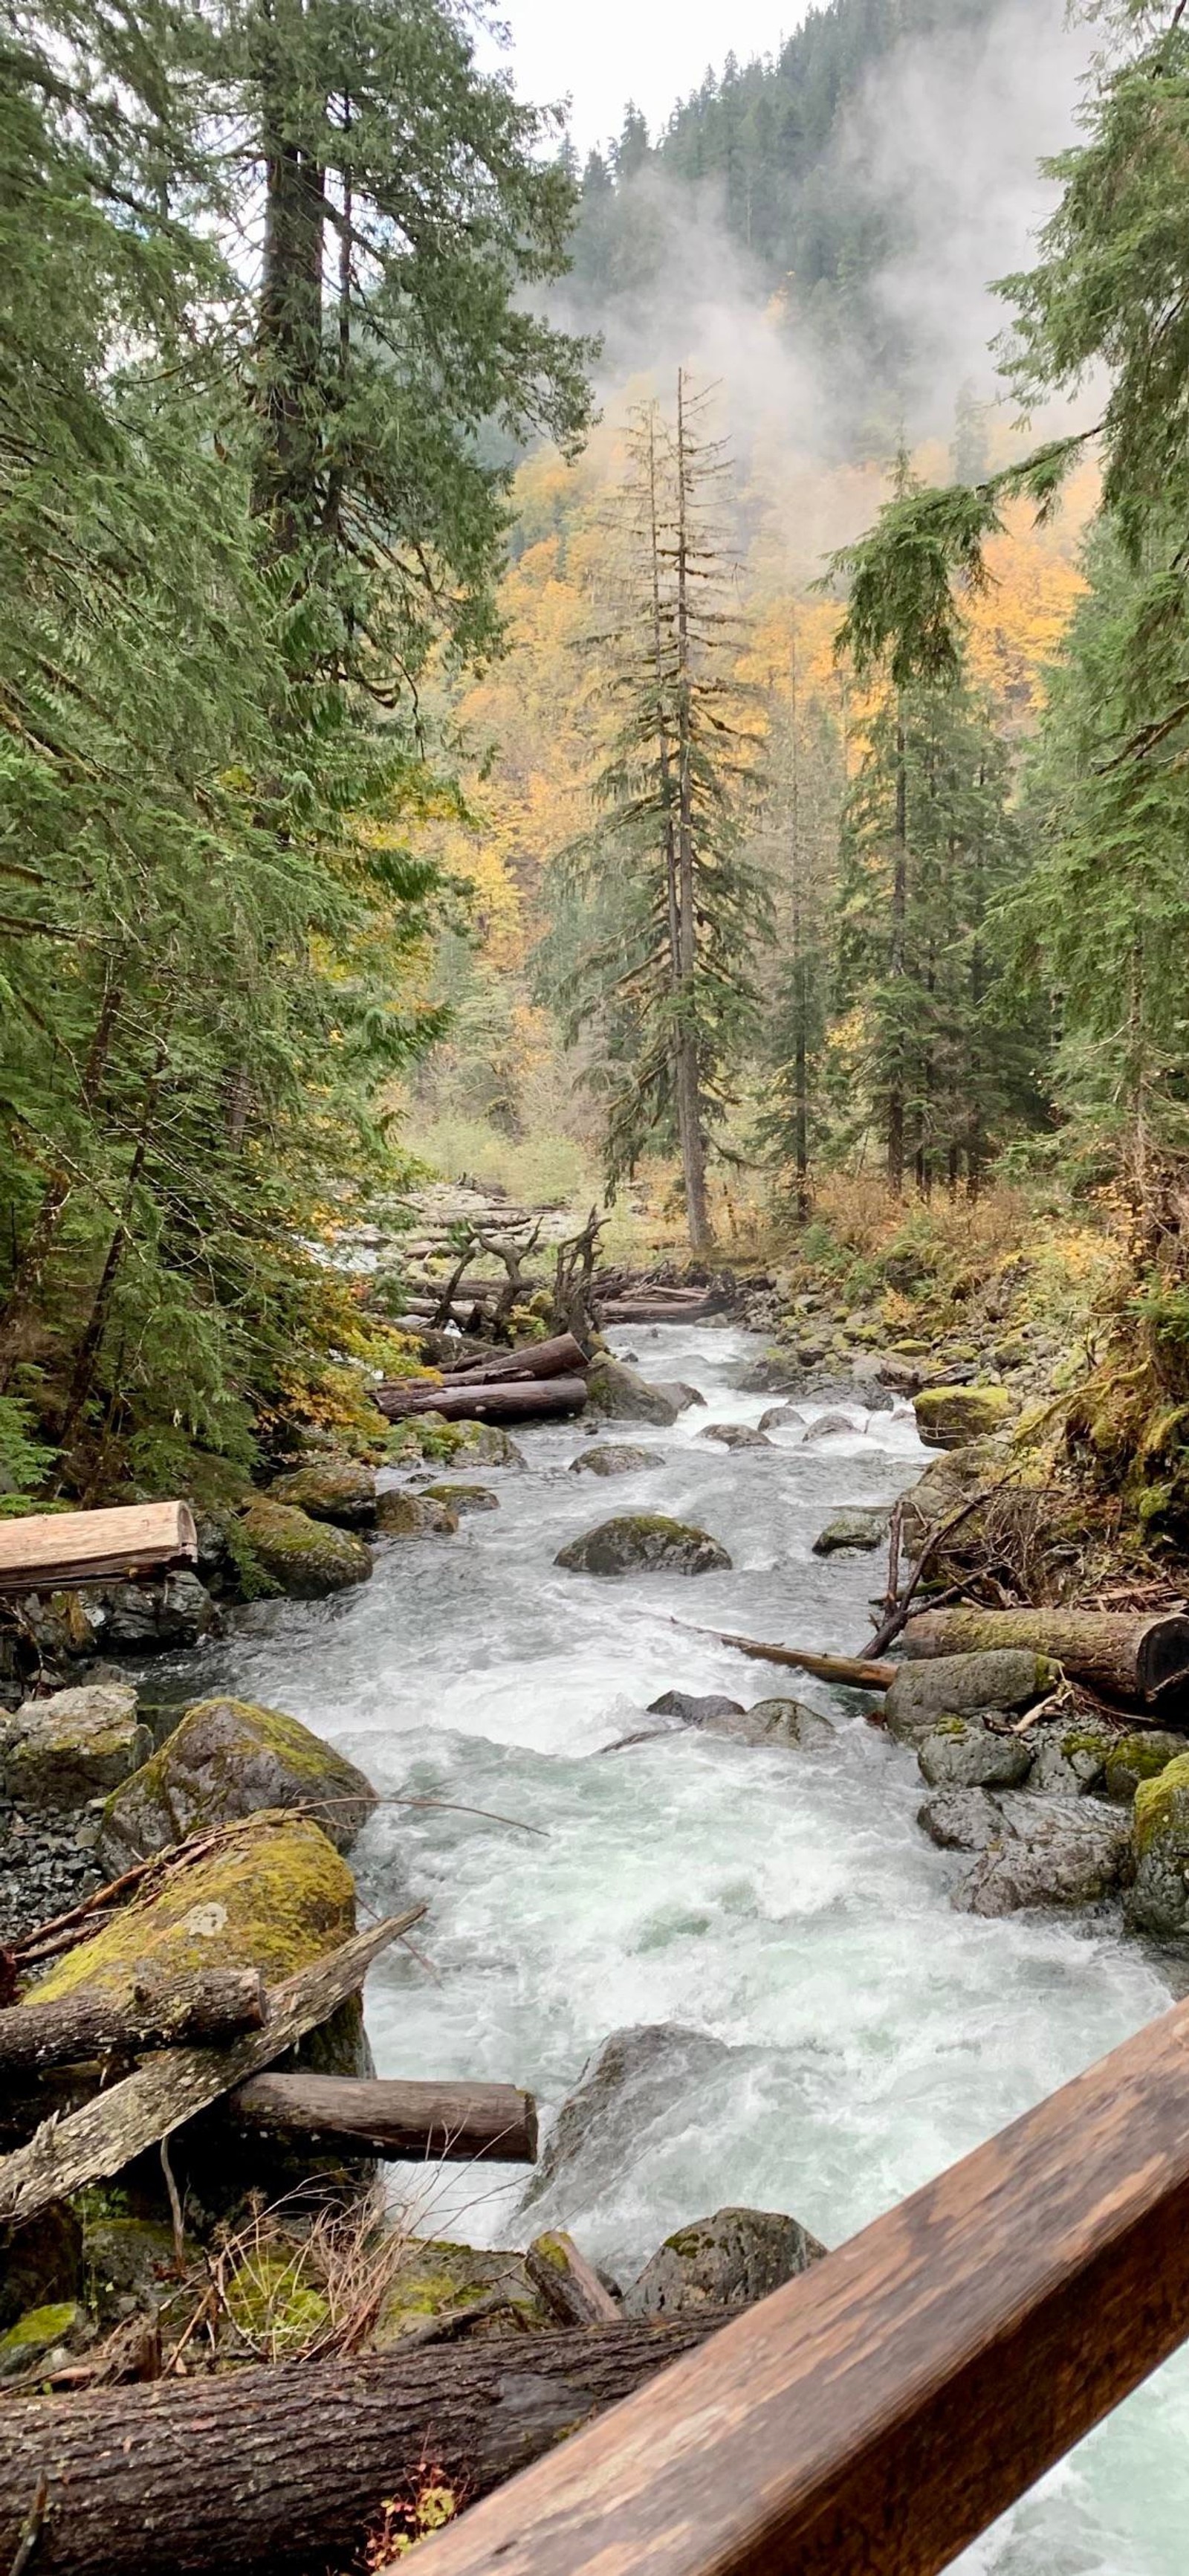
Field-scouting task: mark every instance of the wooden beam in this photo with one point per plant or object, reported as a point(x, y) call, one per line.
point(48, 1551)
point(881, 2411)
point(455, 2122)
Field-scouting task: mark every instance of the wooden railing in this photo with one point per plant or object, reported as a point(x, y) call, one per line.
point(873, 2417)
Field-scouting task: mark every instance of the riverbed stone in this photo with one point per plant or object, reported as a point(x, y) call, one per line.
point(307, 1558)
point(57, 1753)
point(782, 1722)
point(1050, 1851)
point(852, 1529)
point(644, 1543)
point(783, 1417)
point(623, 1396)
point(43, 2339)
point(731, 2258)
point(694, 1711)
point(950, 1481)
point(1072, 1759)
point(336, 1489)
point(678, 1393)
point(615, 1458)
point(403, 1515)
point(144, 1618)
point(630, 2089)
point(489, 1445)
point(968, 1820)
point(833, 1426)
point(231, 1758)
point(965, 1753)
point(1159, 1901)
point(948, 1417)
point(735, 1435)
point(1003, 1678)
point(463, 1498)
point(1142, 1755)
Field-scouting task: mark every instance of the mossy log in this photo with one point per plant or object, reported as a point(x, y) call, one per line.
point(1140, 1660)
point(566, 2283)
point(455, 2122)
point(287, 2467)
point(506, 1400)
point(215, 2006)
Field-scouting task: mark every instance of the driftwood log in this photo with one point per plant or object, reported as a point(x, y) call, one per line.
point(567, 2284)
point(455, 2122)
point(1131, 1658)
point(563, 1356)
point(99, 2139)
point(48, 1550)
point(656, 1310)
point(848, 1670)
point(287, 2467)
point(214, 2006)
point(510, 1400)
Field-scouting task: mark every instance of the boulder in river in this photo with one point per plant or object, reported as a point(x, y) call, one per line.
point(1159, 1901)
point(1050, 1851)
point(775, 1721)
point(57, 1753)
point(965, 1753)
point(1140, 1756)
point(1071, 1758)
point(432, 2277)
point(1003, 1678)
point(634, 2089)
point(736, 2256)
point(615, 1458)
point(489, 1445)
point(402, 1515)
point(644, 1543)
point(307, 1558)
point(621, 1395)
point(855, 1528)
point(948, 1417)
point(230, 1758)
point(462, 1498)
point(777, 1373)
point(132, 1618)
point(679, 1393)
point(833, 1426)
point(735, 1435)
point(694, 1712)
point(333, 1489)
point(968, 1820)
point(782, 1417)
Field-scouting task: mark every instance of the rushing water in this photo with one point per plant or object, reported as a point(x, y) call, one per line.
point(784, 1903)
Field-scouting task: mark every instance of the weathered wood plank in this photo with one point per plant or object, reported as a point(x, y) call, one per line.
point(455, 2122)
point(881, 2411)
point(49, 1550)
point(98, 2140)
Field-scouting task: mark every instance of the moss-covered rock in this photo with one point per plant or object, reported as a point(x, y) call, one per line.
point(42, 2336)
point(488, 1445)
point(1005, 1677)
point(435, 2277)
point(307, 1558)
point(336, 1489)
point(615, 1458)
point(644, 1543)
point(1159, 1901)
point(852, 1529)
point(58, 1752)
point(1072, 1759)
point(950, 1416)
point(40, 2262)
point(274, 1896)
point(737, 2255)
point(1140, 1756)
point(1049, 1852)
point(414, 1516)
point(463, 1498)
point(624, 1396)
point(964, 1753)
point(229, 1758)
point(275, 2302)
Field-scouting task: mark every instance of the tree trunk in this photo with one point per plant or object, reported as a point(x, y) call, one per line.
point(213, 2006)
point(689, 1105)
point(289, 330)
point(1138, 1659)
point(287, 2468)
point(517, 1400)
point(455, 2122)
point(896, 963)
point(561, 1356)
point(25, 1288)
point(569, 2286)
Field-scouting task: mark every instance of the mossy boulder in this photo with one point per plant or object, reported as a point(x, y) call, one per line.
point(308, 1558)
point(622, 1395)
point(1159, 1901)
point(43, 2336)
point(230, 1758)
point(737, 2255)
point(644, 1543)
point(57, 1753)
point(433, 2277)
point(1072, 1759)
point(335, 1489)
point(964, 1753)
point(615, 1458)
point(852, 1529)
point(460, 1499)
point(1140, 1756)
point(948, 1417)
point(274, 2300)
point(1004, 1677)
point(403, 1515)
point(491, 1447)
point(1049, 1852)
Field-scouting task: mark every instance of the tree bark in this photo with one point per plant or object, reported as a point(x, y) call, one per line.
point(455, 2122)
point(568, 2284)
point(212, 2007)
point(689, 1105)
point(897, 930)
point(287, 2467)
point(561, 1356)
point(1137, 1659)
point(516, 1400)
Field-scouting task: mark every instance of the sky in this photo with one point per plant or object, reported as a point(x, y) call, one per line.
point(603, 52)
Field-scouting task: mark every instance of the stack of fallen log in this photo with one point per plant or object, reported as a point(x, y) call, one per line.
point(632, 1297)
point(1133, 1661)
point(535, 1382)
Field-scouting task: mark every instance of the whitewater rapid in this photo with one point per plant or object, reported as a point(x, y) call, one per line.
point(785, 1903)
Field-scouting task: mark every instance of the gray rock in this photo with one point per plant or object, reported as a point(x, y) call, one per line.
point(865, 1529)
point(644, 1542)
point(962, 1685)
point(618, 1458)
point(56, 1753)
point(229, 1758)
point(1159, 1902)
point(1071, 1759)
point(778, 1373)
point(737, 2255)
point(695, 1712)
point(150, 1618)
point(492, 1447)
point(1051, 1851)
point(338, 1489)
point(617, 1392)
point(632, 2085)
point(829, 1426)
point(782, 1417)
point(775, 1721)
point(679, 1393)
point(41, 2261)
point(965, 1753)
point(948, 1482)
point(403, 1515)
point(462, 1498)
point(968, 1820)
point(735, 1435)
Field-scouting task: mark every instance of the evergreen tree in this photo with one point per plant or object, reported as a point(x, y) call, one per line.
point(797, 845)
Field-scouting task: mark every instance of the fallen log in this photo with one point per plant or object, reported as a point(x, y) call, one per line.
point(562, 1356)
point(1129, 1657)
point(48, 1551)
point(455, 2122)
point(210, 2007)
point(286, 2467)
point(513, 1400)
point(653, 1310)
point(99, 2139)
point(568, 2285)
point(853, 1673)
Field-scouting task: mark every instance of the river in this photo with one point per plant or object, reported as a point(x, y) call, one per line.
point(785, 1903)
